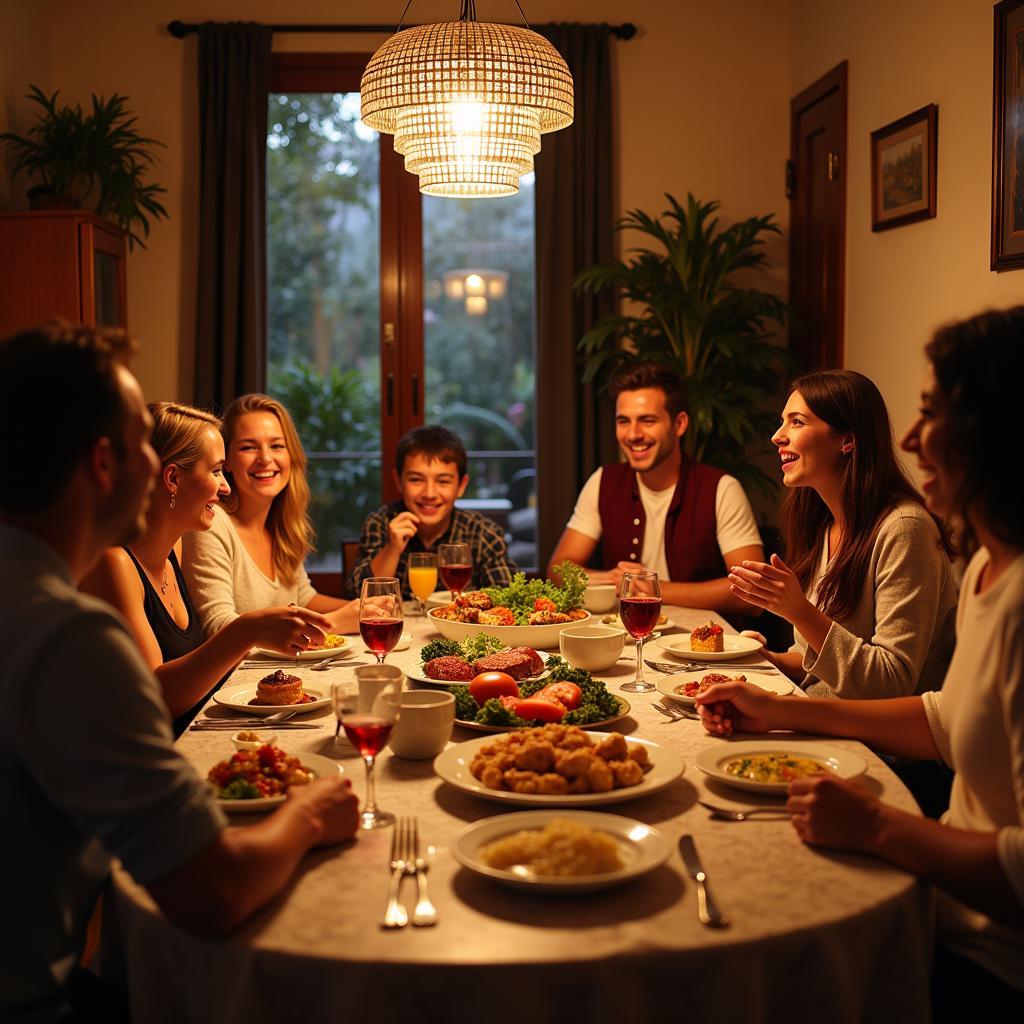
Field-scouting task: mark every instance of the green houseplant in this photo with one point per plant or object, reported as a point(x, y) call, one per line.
point(690, 313)
point(77, 157)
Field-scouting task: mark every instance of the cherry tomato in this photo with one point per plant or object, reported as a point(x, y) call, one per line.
point(492, 684)
point(547, 711)
point(567, 694)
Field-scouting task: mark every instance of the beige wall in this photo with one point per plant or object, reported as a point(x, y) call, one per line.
point(702, 95)
point(901, 283)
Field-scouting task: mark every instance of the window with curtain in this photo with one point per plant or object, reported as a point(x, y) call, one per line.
point(387, 310)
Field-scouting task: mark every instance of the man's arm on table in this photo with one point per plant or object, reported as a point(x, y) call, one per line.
point(573, 546)
point(714, 594)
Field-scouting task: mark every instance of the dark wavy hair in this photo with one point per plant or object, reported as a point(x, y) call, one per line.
point(976, 362)
point(872, 484)
point(637, 376)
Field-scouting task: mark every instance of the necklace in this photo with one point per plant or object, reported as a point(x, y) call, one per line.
point(164, 585)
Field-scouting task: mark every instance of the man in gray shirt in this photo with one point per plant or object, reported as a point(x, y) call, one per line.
point(87, 764)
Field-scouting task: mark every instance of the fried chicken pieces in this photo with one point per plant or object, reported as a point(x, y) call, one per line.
point(558, 759)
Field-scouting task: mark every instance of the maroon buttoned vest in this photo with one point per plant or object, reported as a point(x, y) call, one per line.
point(691, 543)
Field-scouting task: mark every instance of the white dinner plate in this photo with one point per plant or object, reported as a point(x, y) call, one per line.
point(671, 685)
point(641, 849)
point(735, 647)
point(321, 767)
point(342, 651)
point(712, 760)
point(452, 765)
point(238, 697)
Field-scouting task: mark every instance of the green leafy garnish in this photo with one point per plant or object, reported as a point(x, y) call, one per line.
point(239, 789)
point(472, 648)
point(521, 594)
point(440, 649)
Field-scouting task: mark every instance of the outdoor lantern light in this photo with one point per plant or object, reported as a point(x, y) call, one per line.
point(467, 102)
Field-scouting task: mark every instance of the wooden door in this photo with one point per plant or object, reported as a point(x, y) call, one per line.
point(817, 193)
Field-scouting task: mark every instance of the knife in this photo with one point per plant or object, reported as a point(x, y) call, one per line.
point(707, 910)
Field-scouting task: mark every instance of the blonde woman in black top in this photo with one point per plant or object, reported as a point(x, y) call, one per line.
point(144, 580)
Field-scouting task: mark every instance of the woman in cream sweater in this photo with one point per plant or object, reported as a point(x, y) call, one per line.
point(867, 582)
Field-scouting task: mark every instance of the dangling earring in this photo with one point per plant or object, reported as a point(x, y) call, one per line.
point(172, 499)
point(846, 449)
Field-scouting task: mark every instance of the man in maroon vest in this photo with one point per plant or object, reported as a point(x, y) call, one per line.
point(660, 509)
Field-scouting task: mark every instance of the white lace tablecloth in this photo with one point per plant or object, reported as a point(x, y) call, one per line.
point(814, 936)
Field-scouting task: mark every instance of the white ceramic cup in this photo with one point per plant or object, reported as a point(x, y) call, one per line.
point(424, 722)
point(600, 598)
point(374, 681)
point(593, 648)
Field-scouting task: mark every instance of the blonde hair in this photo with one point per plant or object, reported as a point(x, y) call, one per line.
point(291, 529)
point(179, 433)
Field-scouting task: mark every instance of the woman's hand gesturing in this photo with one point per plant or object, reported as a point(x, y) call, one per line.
point(771, 586)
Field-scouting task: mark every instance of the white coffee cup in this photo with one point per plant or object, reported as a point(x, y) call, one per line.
point(374, 681)
point(424, 722)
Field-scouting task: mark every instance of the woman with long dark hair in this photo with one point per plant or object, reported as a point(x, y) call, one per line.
point(975, 856)
point(867, 581)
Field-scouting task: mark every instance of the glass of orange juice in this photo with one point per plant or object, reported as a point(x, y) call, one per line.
point(422, 576)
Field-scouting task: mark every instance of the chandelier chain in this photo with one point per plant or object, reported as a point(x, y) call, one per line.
point(523, 13)
point(401, 21)
point(468, 12)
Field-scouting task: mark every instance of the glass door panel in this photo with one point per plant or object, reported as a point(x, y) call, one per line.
point(478, 320)
point(323, 231)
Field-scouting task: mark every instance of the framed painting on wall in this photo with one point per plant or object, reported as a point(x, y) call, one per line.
point(903, 165)
point(1008, 137)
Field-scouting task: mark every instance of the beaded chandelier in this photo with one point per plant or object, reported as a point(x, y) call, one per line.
point(467, 102)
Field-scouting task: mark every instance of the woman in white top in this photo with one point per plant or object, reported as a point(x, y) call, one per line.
point(252, 556)
point(867, 582)
point(975, 856)
point(143, 580)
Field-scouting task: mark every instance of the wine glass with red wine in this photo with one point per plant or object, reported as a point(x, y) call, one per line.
point(639, 609)
point(368, 733)
point(380, 614)
point(455, 566)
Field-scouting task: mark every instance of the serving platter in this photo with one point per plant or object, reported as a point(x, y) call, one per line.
point(538, 637)
point(452, 765)
point(624, 709)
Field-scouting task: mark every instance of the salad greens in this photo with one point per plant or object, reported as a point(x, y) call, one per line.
point(521, 594)
point(596, 705)
point(239, 789)
point(472, 648)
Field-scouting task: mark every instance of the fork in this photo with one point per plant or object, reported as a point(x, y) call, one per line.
point(676, 714)
point(728, 814)
point(425, 913)
point(394, 914)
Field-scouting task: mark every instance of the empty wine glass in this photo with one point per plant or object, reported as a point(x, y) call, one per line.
point(422, 576)
point(639, 609)
point(368, 733)
point(455, 565)
point(380, 614)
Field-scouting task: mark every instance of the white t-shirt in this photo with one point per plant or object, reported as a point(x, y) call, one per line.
point(735, 526)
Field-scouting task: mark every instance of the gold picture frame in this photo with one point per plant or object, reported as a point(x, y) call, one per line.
point(904, 158)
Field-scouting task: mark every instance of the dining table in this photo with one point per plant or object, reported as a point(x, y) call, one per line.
point(813, 935)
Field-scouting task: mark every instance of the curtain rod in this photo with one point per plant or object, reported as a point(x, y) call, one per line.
point(180, 29)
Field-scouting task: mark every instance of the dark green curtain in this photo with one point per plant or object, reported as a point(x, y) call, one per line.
point(231, 306)
point(574, 229)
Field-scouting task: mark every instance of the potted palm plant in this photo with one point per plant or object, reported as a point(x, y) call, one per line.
point(689, 312)
point(98, 157)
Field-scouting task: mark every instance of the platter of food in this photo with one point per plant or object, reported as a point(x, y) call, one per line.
point(526, 613)
point(558, 766)
point(769, 766)
point(254, 781)
point(560, 851)
point(284, 693)
point(683, 687)
point(334, 646)
point(710, 643)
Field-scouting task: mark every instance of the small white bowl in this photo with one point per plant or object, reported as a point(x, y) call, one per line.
point(593, 648)
point(248, 744)
point(600, 598)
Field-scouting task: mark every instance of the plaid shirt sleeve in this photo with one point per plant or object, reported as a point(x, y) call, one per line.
point(373, 539)
point(491, 565)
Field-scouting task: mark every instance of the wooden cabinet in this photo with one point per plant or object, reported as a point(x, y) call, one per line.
point(61, 263)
